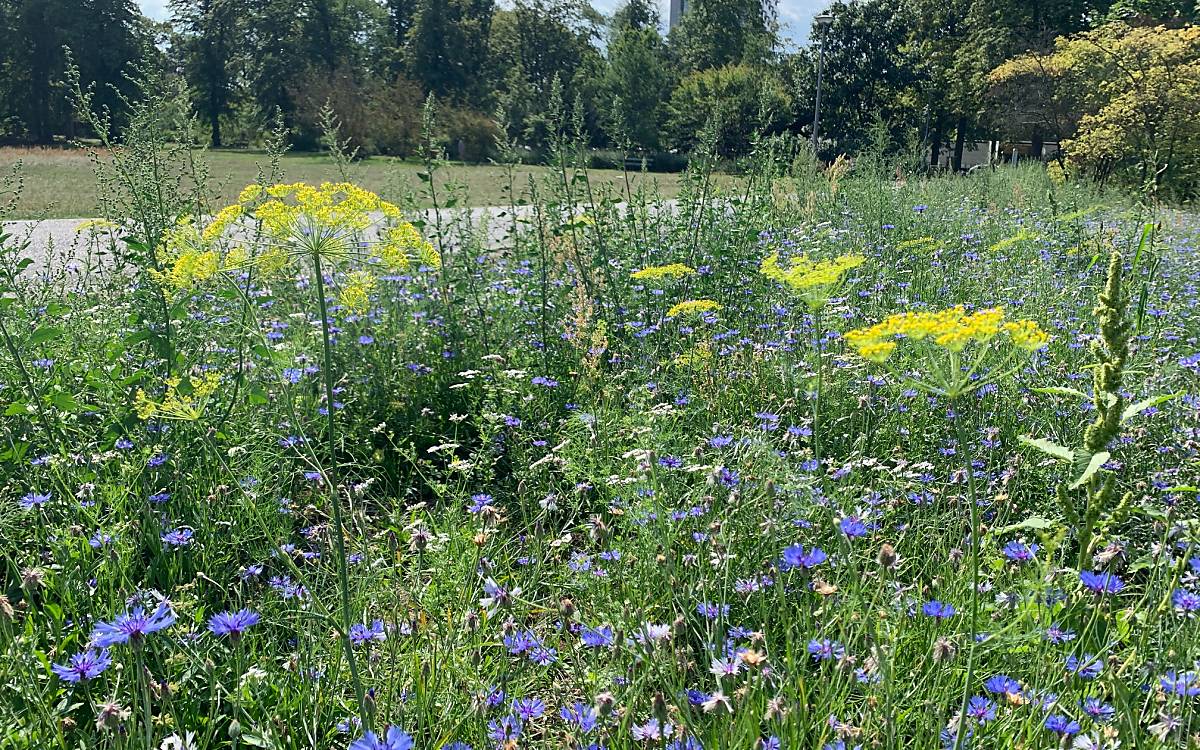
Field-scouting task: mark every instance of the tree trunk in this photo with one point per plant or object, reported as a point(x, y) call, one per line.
point(960, 140)
point(935, 147)
point(214, 124)
point(1038, 145)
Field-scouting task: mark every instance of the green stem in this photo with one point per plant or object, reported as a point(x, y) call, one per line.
point(816, 412)
point(331, 471)
point(961, 733)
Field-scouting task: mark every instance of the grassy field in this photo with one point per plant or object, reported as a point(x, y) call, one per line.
point(863, 463)
point(61, 184)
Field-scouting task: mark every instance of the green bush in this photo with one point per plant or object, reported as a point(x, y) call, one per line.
point(743, 101)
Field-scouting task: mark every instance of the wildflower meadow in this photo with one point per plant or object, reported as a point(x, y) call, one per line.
point(826, 458)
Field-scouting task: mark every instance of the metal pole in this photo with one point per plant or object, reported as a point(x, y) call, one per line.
point(817, 108)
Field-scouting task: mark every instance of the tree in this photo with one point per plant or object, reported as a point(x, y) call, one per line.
point(447, 47)
point(1137, 93)
point(208, 48)
point(742, 101)
point(868, 78)
point(716, 33)
point(638, 77)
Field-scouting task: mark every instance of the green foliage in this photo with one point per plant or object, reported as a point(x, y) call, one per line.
point(738, 100)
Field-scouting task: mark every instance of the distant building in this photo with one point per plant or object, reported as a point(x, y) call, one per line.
point(678, 8)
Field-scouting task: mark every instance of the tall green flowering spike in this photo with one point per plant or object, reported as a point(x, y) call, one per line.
point(1112, 352)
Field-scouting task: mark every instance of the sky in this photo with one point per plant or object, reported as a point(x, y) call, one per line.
point(795, 16)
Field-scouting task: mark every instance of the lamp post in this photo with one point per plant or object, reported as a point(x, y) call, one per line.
point(822, 21)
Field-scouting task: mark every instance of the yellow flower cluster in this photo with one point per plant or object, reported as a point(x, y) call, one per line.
point(332, 219)
point(695, 306)
point(699, 355)
point(951, 329)
point(672, 271)
point(814, 280)
point(1022, 235)
point(920, 245)
point(175, 405)
point(185, 259)
point(355, 294)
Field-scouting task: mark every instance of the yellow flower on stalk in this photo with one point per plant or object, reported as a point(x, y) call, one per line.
point(955, 344)
point(671, 271)
point(695, 306)
point(355, 294)
point(697, 356)
point(177, 404)
point(335, 220)
point(813, 280)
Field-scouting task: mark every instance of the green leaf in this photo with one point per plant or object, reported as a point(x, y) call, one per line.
point(1133, 410)
point(44, 334)
point(1184, 488)
point(1035, 523)
point(1048, 447)
point(1092, 467)
point(16, 409)
point(65, 401)
point(1058, 390)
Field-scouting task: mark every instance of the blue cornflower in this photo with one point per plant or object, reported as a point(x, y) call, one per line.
point(937, 610)
point(86, 665)
point(1180, 683)
point(600, 637)
point(1002, 684)
point(505, 729)
point(528, 709)
point(770, 743)
point(720, 441)
point(853, 527)
point(177, 537)
point(796, 557)
point(233, 624)
point(1061, 725)
point(159, 498)
point(363, 634)
point(1185, 601)
point(1101, 583)
point(133, 626)
point(544, 381)
point(1059, 635)
point(1088, 668)
point(825, 649)
point(1019, 552)
point(981, 709)
point(1098, 710)
point(394, 739)
point(32, 500)
point(582, 716)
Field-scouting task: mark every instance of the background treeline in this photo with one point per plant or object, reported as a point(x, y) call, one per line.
point(928, 76)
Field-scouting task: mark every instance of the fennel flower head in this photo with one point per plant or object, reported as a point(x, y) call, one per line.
point(269, 227)
point(813, 280)
point(960, 351)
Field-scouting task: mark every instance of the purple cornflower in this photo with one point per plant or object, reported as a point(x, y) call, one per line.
point(1101, 583)
point(86, 665)
point(1098, 710)
point(394, 739)
point(133, 626)
point(233, 624)
point(502, 730)
point(652, 730)
point(853, 527)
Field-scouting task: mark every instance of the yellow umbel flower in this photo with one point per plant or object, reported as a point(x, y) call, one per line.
point(951, 331)
point(695, 306)
point(671, 271)
point(355, 294)
point(814, 280)
point(176, 405)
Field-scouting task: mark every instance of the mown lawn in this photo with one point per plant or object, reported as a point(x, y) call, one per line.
point(61, 184)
